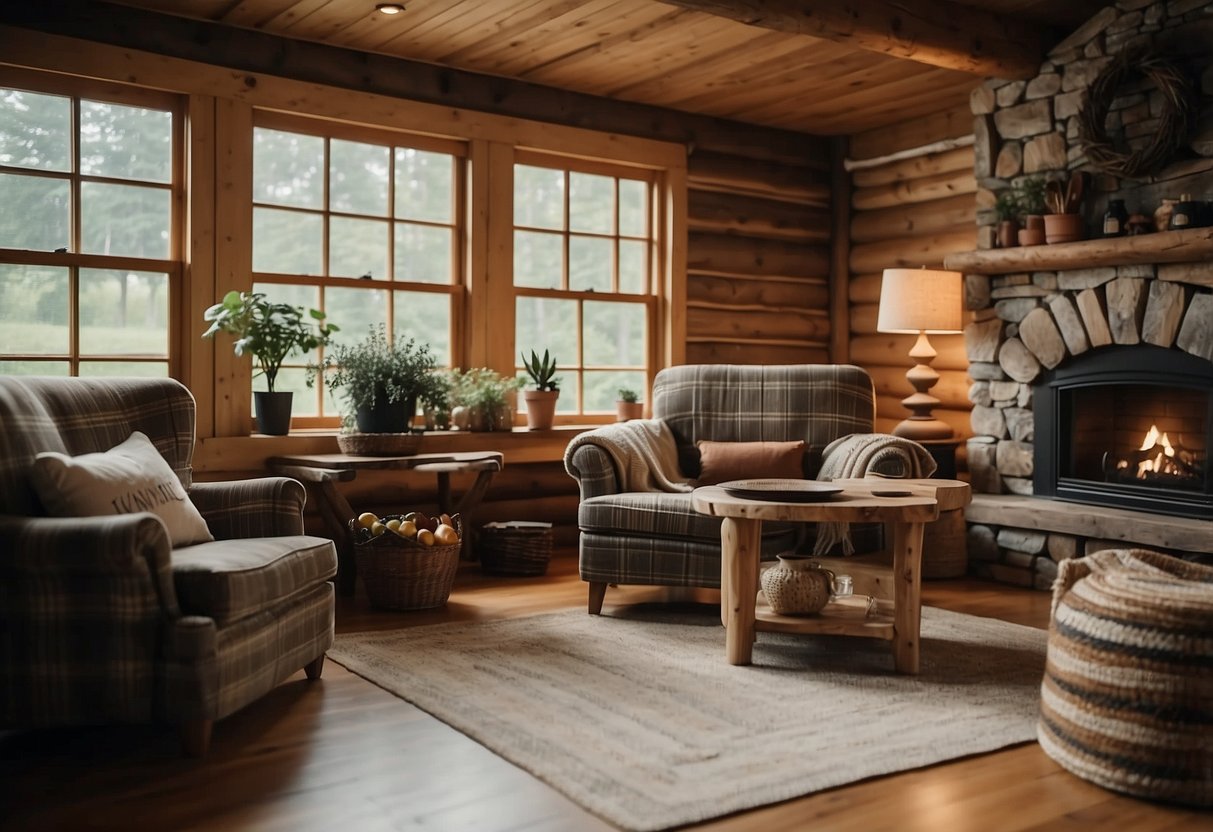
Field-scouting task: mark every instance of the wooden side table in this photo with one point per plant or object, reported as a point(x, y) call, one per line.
point(899, 581)
point(324, 471)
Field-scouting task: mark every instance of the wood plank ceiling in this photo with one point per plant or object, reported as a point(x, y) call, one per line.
point(644, 51)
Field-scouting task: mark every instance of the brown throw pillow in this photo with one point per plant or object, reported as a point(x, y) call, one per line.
point(724, 461)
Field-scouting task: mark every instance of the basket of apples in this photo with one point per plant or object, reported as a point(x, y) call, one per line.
point(407, 561)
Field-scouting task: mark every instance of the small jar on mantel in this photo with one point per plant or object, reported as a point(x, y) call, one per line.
point(1115, 219)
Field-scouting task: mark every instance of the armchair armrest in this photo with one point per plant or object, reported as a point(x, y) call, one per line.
point(875, 454)
point(262, 507)
point(591, 466)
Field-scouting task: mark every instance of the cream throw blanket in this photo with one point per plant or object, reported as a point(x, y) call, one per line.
point(862, 455)
point(643, 451)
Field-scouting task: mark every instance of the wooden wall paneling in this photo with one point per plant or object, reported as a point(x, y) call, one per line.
point(916, 167)
point(757, 217)
point(746, 292)
point(912, 191)
point(198, 364)
point(784, 324)
point(725, 352)
point(734, 254)
point(946, 124)
point(808, 184)
point(864, 288)
point(933, 217)
point(911, 252)
point(840, 246)
point(233, 257)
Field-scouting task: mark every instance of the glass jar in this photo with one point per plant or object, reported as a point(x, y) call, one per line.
point(1115, 219)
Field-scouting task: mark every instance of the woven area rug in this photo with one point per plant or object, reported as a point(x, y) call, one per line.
point(642, 721)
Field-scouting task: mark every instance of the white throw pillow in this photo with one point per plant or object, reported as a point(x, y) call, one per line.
point(125, 479)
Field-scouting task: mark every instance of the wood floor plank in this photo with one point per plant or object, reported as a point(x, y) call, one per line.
point(342, 754)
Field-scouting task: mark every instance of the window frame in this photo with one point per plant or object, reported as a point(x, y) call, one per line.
point(76, 90)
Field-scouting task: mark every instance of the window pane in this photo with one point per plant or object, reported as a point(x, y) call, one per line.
point(423, 253)
point(614, 334)
point(288, 168)
point(538, 197)
point(35, 213)
point(35, 368)
point(306, 296)
point(590, 264)
point(287, 242)
point(35, 130)
point(602, 387)
point(123, 313)
point(358, 248)
point(633, 207)
point(143, 369)
point(358, 176)
point(633, 266)
point(34, 308)
point(125, 220)
point(567, 403)
point(126, 142)
point(591, 203)
point(538, 259)
point(424, 185)
point(425, 317)
point(355, 311)
point(545, 324)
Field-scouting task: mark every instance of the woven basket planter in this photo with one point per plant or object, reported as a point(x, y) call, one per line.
point(401, 574)
point(515, 549)
point(1127, 697)
point(379, 444)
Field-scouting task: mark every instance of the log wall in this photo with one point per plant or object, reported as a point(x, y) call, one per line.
point(909, 213)
point(758, 258)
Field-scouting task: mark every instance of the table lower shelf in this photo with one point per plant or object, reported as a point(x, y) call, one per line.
point(841, 617)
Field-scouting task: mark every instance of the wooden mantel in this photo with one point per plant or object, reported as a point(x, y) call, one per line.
point(1193, 245)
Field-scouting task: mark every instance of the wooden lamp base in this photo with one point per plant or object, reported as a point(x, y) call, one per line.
point(921, 425)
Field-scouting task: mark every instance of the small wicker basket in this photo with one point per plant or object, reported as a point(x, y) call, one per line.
point(401, 574)
point(516, 548)
point(379, 444)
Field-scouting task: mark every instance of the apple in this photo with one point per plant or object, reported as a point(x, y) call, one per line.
point(425, 537)
point(446, 535)
point(367, 519)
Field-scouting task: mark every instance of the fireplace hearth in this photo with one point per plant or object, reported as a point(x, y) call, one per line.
point(1127, 426)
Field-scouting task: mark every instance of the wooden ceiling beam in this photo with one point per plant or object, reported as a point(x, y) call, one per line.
point(936, 32)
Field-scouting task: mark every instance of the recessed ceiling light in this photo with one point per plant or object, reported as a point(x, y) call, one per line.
point(389, 8)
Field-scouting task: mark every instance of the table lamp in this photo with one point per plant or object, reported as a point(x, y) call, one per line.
point(918, 302)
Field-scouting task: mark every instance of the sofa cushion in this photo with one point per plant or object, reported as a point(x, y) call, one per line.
point(655, 514)
point(229, 579)
point(723, 461)
point(128, 478)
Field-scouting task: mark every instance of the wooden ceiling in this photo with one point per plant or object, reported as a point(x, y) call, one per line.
point(660, 53)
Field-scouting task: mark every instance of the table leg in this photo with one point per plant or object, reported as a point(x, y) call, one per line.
point(467, 503)
point(739, 553)
point(444, 492)
point(336, 511)
point(907, 595)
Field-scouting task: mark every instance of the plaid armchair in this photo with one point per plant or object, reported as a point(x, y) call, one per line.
point(101, 620)
point(656, 537)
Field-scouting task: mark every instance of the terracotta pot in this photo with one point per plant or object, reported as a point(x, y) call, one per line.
point(1006, 233)
point(540, 408)
point(1063, 228)
point(1032, 236)
point(626, 411)
point(1034, 222)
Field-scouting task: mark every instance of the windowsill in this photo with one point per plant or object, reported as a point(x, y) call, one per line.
point(249, 453)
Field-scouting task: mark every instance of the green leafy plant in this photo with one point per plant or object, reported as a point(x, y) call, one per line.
point(1031, 195)
point(628, 395)
point(541, 371)
point(481, 387)
point(268, 331)
point(379, 369)
point(1007, 205)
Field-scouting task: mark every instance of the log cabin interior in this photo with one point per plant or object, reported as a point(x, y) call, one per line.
point(633, 185)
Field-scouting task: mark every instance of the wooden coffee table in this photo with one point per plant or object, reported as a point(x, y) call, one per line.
point(894, 577)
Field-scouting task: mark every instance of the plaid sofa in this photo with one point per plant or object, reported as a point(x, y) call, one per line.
point(657, 538)
point(101, 620)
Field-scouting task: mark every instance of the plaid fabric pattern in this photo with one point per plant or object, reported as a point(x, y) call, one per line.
point(657, 538)
point(90, 625)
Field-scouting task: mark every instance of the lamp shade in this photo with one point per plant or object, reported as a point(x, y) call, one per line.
point(920, 300)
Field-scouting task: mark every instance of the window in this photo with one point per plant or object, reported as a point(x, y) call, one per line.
point(363, 224)
point(584, 253)
point(89, 251)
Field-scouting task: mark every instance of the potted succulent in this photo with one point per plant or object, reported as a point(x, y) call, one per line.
point(541, 402)
point(269, 332)
point(628, 406)
point(481, 399)
point(380, 380)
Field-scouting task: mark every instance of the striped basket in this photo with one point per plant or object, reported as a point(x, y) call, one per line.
point(1127, 697)
point(516, 548)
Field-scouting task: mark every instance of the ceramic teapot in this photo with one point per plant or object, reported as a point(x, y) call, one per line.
point(799, 585)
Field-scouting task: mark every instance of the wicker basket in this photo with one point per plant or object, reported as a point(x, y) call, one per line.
point(379, 444)
point(401, 574)
point(515, 549)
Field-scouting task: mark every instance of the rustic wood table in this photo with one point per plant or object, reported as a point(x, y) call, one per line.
point(323, 471)
point(885, 577)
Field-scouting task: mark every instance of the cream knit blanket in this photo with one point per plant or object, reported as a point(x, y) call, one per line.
point(862, 455)
point(643, 451)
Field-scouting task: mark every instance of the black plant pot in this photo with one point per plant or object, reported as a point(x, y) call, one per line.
point(273, 412)
point(386, 417)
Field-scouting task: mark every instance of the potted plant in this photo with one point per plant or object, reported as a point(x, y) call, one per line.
point(1063, 223)
point(541, 402)
point(1006, 208)
point(269, 332)
point(1032, 205)
point(380, 380)
point(628, 406)
point(481, 399)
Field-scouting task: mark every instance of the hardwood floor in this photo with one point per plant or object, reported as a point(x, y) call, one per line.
point(342, 754)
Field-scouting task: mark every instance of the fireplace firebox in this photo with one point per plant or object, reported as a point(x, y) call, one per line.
point(1127, 426)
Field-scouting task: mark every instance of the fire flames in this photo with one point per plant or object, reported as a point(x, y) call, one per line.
point(1159, 457)
point(1160, 463)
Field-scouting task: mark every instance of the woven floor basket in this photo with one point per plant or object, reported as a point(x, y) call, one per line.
point(1127, 697)
point(401, 574)
point(514, 551)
